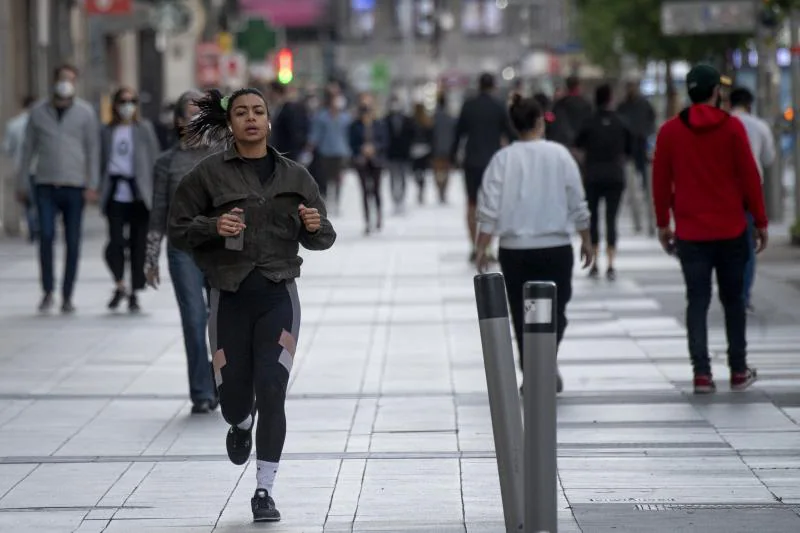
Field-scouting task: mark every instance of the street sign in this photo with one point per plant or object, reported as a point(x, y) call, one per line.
point(109, 7)
point(207, 65)
point(690, 17)
point(257, 39)
point(171, 17)
point(234, 69)
point(381, 76)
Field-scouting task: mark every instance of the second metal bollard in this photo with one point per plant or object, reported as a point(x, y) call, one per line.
point(540, 371)
point(501, 382)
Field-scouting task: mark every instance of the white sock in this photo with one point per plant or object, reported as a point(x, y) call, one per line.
point(265, 475)
point(247, 424)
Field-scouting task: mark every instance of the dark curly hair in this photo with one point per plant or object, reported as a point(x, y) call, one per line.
point(210, 124)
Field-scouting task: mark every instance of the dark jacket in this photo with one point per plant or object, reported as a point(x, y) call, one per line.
point(290, 130)
point(575, 110)
point(170, 168)
point(378, 140)
point(606, 143)
point(484, 122)
point(399, 130)
point(274, 230)
point(639, 115)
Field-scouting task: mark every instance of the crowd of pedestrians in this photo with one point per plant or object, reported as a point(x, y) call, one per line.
point(237, 184)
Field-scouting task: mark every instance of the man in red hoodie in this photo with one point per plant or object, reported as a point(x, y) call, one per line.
point(705, 177)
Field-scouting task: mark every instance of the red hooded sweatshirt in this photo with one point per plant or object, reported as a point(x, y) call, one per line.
point(704, 171)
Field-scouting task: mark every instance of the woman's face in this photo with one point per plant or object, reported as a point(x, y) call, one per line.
point(249, 120)
point(127, 104)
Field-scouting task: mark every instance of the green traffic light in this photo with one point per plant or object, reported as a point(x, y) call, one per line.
point(285, 76)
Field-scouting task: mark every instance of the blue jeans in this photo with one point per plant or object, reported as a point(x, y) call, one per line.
point(750, 266)
point(698, 261)
point(189, 284)
point(50, 201)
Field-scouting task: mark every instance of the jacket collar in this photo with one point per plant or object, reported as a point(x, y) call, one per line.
point(231, 153)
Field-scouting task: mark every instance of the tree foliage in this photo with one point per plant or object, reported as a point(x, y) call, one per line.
point(636, 25)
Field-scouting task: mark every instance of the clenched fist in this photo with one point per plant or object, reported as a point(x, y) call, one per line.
point(311, 218)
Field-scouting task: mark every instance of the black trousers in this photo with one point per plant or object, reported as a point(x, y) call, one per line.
point(135, 217)
point(253, 334)
point(369, 175)
point(698, 260)
point(611, 193)
point(537, 264)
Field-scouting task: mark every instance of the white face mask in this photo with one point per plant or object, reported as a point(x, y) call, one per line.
point(65, 89)
point(340, 103)
point(126, 111)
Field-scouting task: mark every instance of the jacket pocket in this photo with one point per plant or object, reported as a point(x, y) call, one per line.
point(222, 200)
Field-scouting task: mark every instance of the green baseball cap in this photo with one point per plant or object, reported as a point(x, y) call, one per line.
point(703, 78)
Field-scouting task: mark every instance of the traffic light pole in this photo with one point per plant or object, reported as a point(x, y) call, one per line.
point(794, 22)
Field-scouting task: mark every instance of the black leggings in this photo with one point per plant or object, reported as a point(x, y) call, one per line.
point(253, 336)
point(537, 264)
point(370, 177)
point(612, 193)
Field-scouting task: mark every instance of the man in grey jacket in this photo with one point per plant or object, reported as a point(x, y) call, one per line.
point(63, 135)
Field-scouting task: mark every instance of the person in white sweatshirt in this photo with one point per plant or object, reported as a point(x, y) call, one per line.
point(532, 198)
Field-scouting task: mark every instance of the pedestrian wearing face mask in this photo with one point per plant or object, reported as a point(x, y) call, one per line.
point(330, 139)
point(129, 151)
point(62, 136)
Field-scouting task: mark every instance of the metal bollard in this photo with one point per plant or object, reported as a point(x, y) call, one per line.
point(501, 382)
point(539, 347)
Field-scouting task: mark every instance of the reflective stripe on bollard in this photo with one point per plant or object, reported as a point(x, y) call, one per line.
point(501, 382)
point(539, 359)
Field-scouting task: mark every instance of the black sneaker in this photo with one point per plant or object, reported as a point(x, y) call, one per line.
point(116, 299)
point(133, 304)
point(67, 308)
point(594, 272)
point(239, 443)
point(264, 507)
point(203, 407)
point(611, 274)
point(46, 304)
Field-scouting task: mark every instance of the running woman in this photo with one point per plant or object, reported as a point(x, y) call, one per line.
point(242, 214)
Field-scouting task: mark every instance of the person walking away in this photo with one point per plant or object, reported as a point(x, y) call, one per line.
point(129, 148)
point(255, 313)
point(291, 125)
point(368, 144)
point(640, 118)
point(556, 129)
point(485, 125)
point(573, 108)
point(762, 145)
point(444, 129)
point(188, 281)
point(62, 136)
point(329, 138)
point(605, 143)
point(400, 130)
point(531, 197)
point(13, 140)
point(421, 148)
point(705, 177)
point(310, 158)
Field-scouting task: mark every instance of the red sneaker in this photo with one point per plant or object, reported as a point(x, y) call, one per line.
point(704, 384)
point(742, 380)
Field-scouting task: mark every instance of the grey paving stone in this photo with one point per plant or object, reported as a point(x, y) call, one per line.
point(387, 393)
